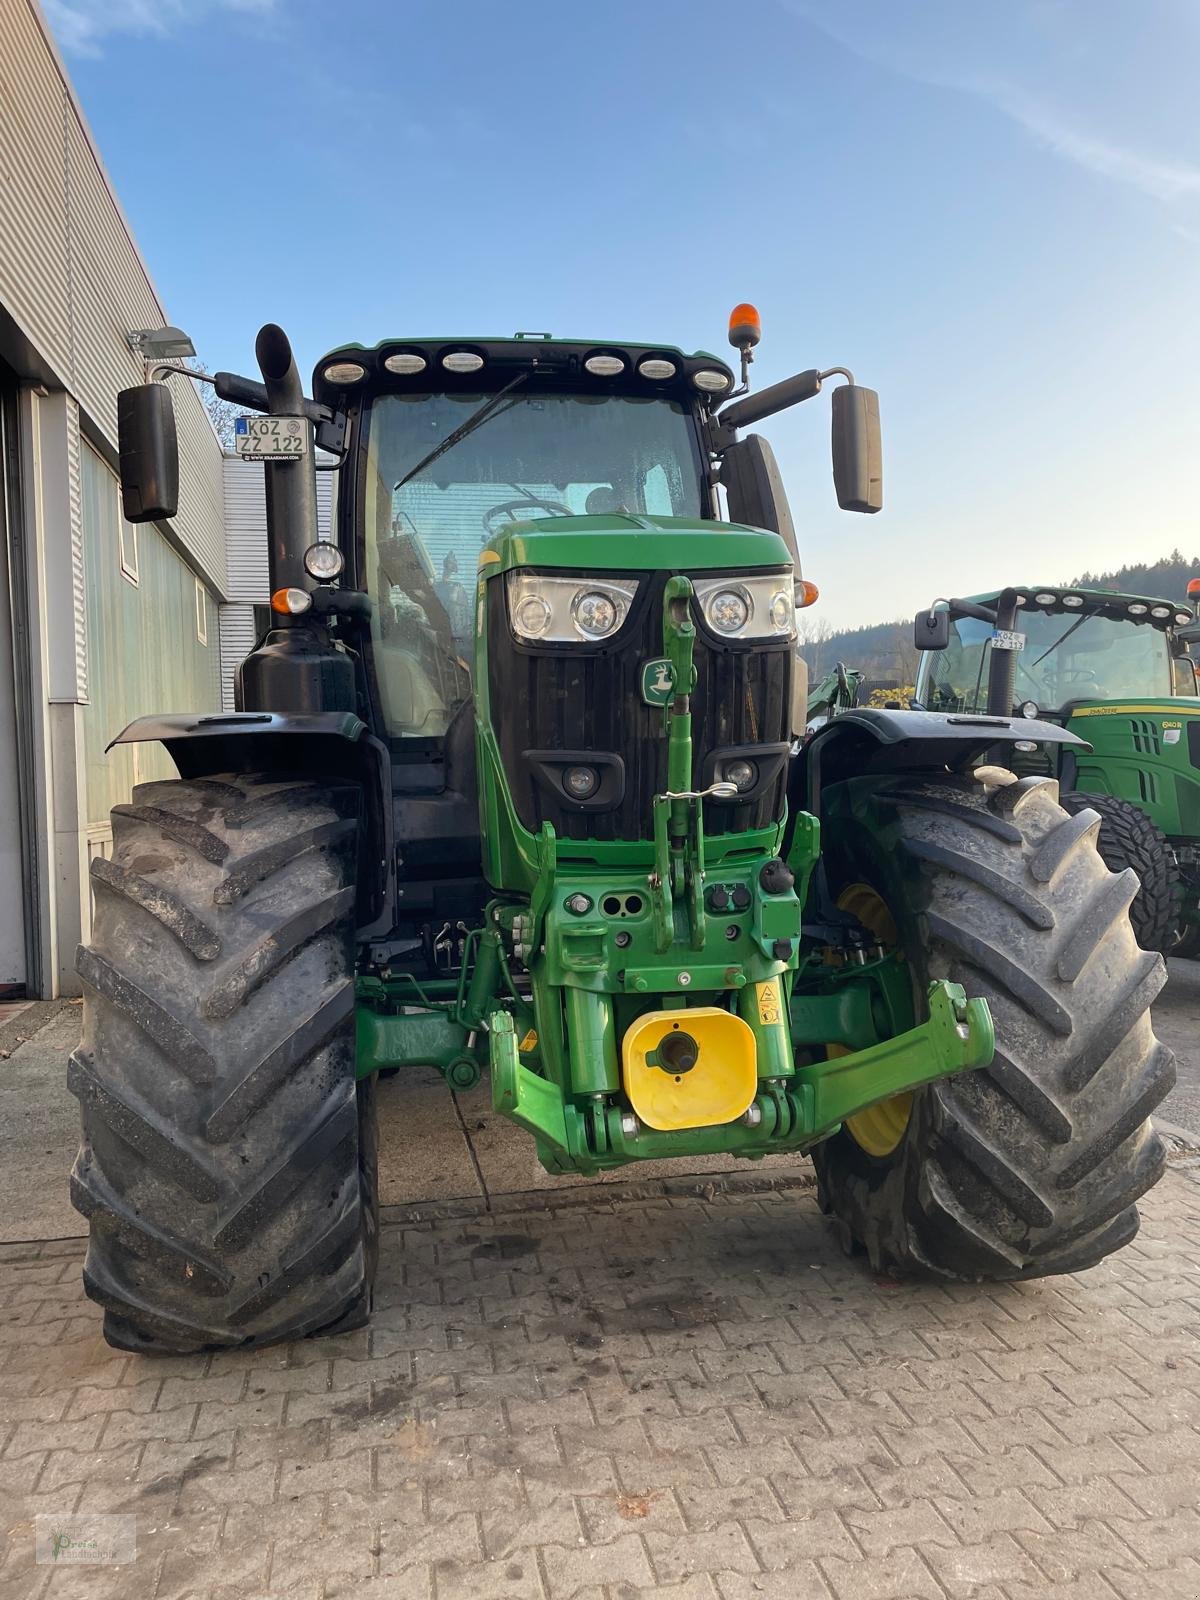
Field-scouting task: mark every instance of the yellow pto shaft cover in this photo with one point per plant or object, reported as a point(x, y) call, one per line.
point(690, 1068)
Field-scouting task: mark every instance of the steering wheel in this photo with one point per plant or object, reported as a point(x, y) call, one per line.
point(510, 507)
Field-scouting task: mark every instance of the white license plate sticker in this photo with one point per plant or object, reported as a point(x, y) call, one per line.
point(271, 438)
point(1007, 639)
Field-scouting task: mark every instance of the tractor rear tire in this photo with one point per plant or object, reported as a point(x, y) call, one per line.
point(227, 1168)
point(1032, 1165)
point(1128, 838)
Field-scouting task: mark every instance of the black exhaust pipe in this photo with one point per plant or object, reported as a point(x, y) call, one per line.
point(291, 486)
point(296, 668)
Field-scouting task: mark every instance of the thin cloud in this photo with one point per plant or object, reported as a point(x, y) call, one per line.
point(1161, 179)
point(81, 26)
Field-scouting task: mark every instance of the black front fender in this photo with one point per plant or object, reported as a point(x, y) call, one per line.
point(316, 746)
point(866, 740)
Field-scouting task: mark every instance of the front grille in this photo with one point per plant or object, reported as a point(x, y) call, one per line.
point(589, 699)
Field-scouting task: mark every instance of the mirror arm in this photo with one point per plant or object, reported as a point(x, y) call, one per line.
point(245, 392)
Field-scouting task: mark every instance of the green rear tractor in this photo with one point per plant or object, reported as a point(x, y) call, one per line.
point(518, 784)
point(1115, 669)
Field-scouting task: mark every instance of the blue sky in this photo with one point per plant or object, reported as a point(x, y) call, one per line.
point(991, 212)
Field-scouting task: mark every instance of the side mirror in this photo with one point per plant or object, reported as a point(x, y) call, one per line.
point(931, 630)
point(754, 491)
point(149, 453)
point(857, 448)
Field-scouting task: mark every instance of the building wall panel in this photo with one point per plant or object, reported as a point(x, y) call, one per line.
point(34, 255)
point(145, 653)
point(72, 278)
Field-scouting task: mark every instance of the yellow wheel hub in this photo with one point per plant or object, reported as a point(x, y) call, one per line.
point(879, 1129)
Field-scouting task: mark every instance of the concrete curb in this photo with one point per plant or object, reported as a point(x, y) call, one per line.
point(21, 1029)
point(1180, 1142)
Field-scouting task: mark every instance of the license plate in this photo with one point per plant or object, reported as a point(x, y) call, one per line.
point(1007, 639)
point(271, 438)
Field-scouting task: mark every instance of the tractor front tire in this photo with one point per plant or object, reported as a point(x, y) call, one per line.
point(227, 1168)
point(1032, 1165)
point(1128, 838)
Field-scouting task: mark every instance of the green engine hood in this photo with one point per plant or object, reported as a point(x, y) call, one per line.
point(632, 544)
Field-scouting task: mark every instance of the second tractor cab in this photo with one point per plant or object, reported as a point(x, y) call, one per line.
point(515, 784)
point(1116, 670)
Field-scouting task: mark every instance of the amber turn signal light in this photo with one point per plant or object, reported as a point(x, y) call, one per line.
point(806, 593)
point(290, 602)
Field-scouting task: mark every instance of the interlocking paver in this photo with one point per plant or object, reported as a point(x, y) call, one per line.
point(690, 1398)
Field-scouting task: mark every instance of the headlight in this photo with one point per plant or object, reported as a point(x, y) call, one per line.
point(595, 613)
point(758, 606)
point(565, 610)
point(323, 561)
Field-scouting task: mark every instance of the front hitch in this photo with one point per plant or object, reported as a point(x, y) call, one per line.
point(787, 1113)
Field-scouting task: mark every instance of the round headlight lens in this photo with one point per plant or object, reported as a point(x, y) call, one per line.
point(1029, 708)
point(1137, 609)
point(462, 361)
point(595, 614)
point(729, 610)
point(711, 381)
point(1183, 616)
point(1072, 601)
point(532, 616)
point(323, 561)
point(657, 369)
point(406, 363)
point(1160, 613)
point(1045, 599)
point(743, 774)
point(604, 366)
point(780, 612)
point(581, 782)
point(344, 372)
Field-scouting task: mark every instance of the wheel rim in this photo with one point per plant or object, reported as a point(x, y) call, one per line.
point(879, 1129)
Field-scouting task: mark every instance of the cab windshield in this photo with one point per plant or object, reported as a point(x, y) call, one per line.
point(535, 455)
point(1067, 656)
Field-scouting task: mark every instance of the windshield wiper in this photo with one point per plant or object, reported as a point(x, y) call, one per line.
point(1084, 616)
point(485, 412)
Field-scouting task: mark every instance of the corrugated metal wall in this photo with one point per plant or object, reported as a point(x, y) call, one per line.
point(246, 542)
point(144, 648)
point(71, 276)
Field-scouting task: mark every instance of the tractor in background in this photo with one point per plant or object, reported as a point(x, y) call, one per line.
point(1115, 669)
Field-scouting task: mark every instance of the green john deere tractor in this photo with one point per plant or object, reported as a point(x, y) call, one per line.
point(1115, 669)
point(516, 785)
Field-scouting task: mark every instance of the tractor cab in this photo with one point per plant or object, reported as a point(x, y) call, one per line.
point(455, 443)
point(1073, 647)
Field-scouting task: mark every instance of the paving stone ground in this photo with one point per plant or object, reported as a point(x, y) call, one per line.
point(691, 1397)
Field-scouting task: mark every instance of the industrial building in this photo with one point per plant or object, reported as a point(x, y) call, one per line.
point(99, 621)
